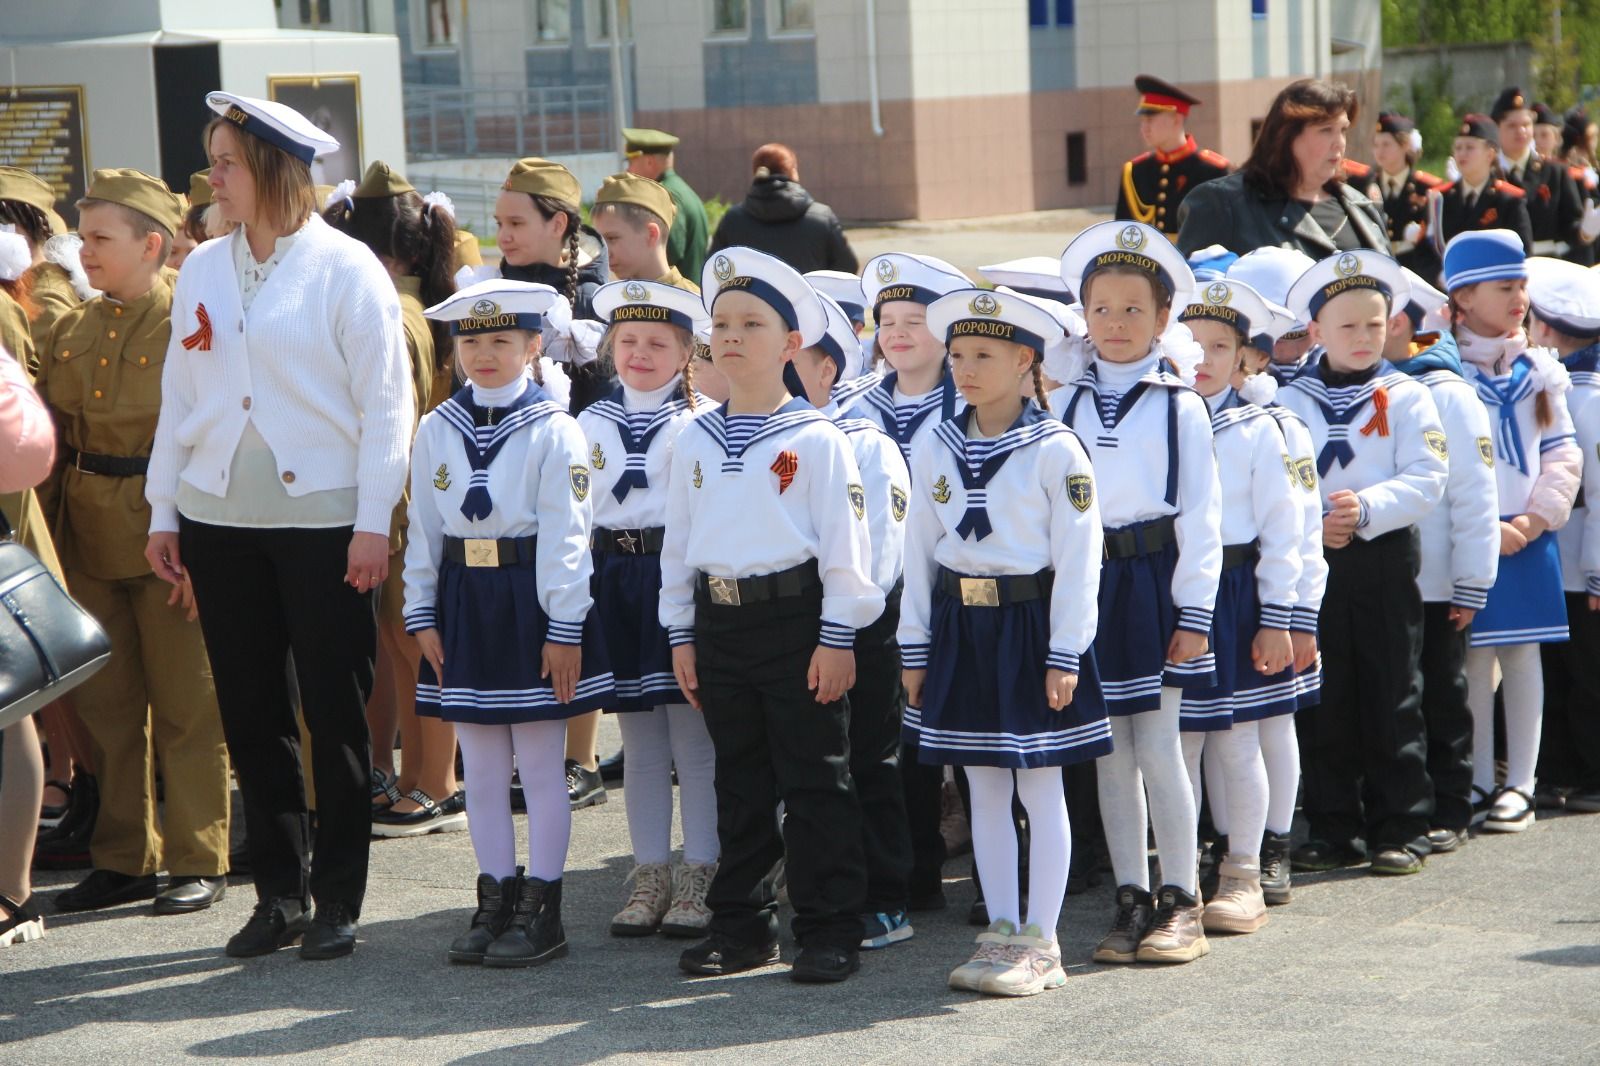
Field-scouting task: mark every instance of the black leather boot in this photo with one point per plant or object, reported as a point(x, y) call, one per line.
point(1276, 878)
point(495, 900)
point(533, 935)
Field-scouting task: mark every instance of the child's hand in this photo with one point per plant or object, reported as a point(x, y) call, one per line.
point(1530, 526)
point(432, 650)
point(913, 680)
point(1272, 650)
point(683, 668)
point(1462, 617)
point(1334, 538)
point(1186, 645)
point(1512, 539)
point(561, 663)
point(832, 673)
point(183, 598)
point(1594, 603)
point(1305, 650)
point(1059, 687)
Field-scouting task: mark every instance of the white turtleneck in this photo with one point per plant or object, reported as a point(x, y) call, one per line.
point(1492, 354)
point(500, 395)
point(1215, 401)
point(1121, 376)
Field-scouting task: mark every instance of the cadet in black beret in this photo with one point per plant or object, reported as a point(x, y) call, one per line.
point(1402, 190)
point(1480, 199)
point(1155, 183)
point(1555, 209)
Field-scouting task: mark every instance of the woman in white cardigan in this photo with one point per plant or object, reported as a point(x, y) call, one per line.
point(281, 450)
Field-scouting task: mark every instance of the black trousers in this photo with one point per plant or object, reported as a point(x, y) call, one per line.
point(1569, 749)
point(775, 742)
point(923, 786)
point(263, 595)
point(876, 703)
point(1369, 730)
point(1446, 717)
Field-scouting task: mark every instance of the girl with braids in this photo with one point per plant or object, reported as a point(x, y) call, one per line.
point(55, 278)
point(1002, 566)
point(631, 434)
point(414, 238)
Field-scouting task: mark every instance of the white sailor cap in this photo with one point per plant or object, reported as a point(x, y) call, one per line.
point(843, 288)
point(922, 279)
point(1127, 244)
point(1345, 272)
point(1233, 303)
point(1272, 272)
point(1068, 316)
point(1425, 299)
point(278, 124)
point(649, 301)
point(495, 305)
point(1211, 262)
point(1564, 296)
point(1032, 275)
point(1003, 316)
point(839, 339)
point(770, 280)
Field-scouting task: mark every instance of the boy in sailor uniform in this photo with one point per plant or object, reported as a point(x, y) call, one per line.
point(630, 437)
point(1262, 527)
point(1271, 272)
point(1002, 567)
point(1538, 470)
point(1149, 436)
point(1381, 455)
point(1460, 555)
point(765, 581)
point(1565, 300)
point(497, 595)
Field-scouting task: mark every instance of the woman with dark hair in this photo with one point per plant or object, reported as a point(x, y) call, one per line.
point(780, 218)
point(279, 455)
point(1289, 192)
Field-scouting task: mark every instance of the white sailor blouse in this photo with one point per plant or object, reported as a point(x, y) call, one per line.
point(1580, 537)
point(1301, 459)
point(1261, 501)
point(887, 481)
point(630, 454)
point(1461, 536)
point(1523, 448)
point(908, 422)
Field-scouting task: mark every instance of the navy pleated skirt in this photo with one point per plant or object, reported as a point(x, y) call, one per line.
point(627, 591)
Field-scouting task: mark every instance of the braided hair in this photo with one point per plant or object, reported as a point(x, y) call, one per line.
point(419, 237)
point(548, 207)
point(1038, 383)
point(1543, 414)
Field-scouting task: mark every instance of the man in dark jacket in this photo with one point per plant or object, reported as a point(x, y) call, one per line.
point(780, 218)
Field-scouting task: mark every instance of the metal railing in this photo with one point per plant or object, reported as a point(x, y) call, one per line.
point(457, 123)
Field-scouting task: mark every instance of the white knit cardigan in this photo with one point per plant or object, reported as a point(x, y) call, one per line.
point(319, 364)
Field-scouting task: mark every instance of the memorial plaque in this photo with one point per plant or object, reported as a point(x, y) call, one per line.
point(333, 104)
point(42, 131)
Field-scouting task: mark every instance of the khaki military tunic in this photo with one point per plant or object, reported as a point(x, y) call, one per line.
point(55, 296)
point(100, 372)
point(424, 384)
point(22, 508)
point(677, 281)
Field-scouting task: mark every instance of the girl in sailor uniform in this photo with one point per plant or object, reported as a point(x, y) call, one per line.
point(999, 617)
point(1538, 469)
point(1565, 300)
point(630, 436)
point(877, 698)
point(1149, 436)
point(1270, 272)
point(765, 581)
point(1262, 528)
point(1460, 556)
point(1381, 460)
point(497, 595)
point(845, 290)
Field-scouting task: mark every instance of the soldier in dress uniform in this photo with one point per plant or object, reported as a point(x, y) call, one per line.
point(636, 217)
point(100, 372)
point(1480, 198)
point(650, 155)
point(1155, 183)
point(1402, 190)
point(1555, 208)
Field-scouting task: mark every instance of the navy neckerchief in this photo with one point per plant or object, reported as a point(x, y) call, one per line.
point(1583, 361)
point(793, 413)
point(1336, 449)
point(1161, 374)
point(882, 398)
point(1031, 425)
point(1502, 399)
point(1442, 354)
point(484, 441)
point(637, 449)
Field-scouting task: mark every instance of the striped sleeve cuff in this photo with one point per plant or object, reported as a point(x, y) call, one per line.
point(1195, 620)
point(914, 656)
point(1592, 583)
point(1276, 616)
point(564, 632)
point(420, 619)
point(1471, 598)
point(834, 635)
point(1062, 660)
point(1303, 620)
point(678, 636)
point(1361, 523)
point(1556, 442)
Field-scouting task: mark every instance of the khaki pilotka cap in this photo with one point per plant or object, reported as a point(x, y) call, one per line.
point(142, 193)
point(200, 187)
point(28, 188)
point(639, 191)
point(468, 254)
point(540, 177)
point(381, 180)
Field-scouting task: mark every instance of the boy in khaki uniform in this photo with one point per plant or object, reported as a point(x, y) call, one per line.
point(635, 215)
point(100, 372)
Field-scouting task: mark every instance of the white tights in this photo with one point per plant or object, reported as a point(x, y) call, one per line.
point(1148, 756)
point(655, 741)
point(540, 750)
point(1234, 756)
point(994, 842)
point(1523, 677)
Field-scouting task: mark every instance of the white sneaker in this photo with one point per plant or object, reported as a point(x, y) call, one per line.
point(1029, 964)
point(991, 952)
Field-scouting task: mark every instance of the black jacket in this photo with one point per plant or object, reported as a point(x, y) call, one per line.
point(1501, 206)
point(596, 380)
point(1234, 214)
point(780, 218)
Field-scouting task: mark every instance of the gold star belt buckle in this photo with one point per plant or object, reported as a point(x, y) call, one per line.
point(724, 591)
point(980, 592)
point(482, 552)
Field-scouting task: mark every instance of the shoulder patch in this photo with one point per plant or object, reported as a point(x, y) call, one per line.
point(1080, 490)
point(579, 476)
point(898, 502)
point(858, 500)
point(1306, 469)
point(1436, 443)
point(1486, 451)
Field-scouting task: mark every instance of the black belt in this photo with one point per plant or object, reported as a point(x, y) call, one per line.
point(743, 591)
point(507, 551)
point(1141, 538)
point(994, 591)
point(107, 465)
point(1239, 554)
point(628, 541)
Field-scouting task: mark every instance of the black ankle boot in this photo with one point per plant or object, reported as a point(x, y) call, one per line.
point(1275, 873)
point(533, 935)
point(495, 900)
point(1211, 866)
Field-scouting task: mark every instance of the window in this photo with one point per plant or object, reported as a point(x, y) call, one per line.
point(1077, 159)
point(441, 23)
point(600, 19)
point(730, 16)
point(552, 21)
point(1066, 13)
point(315, 12)
point(1038, 12)
point(1258, 9)
point(794, 16)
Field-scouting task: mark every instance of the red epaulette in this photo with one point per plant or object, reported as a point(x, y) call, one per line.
point(1509, 189)
point(1142, 157)
point(1579, 176)
point(1354, 169)
point(1214, 159)
point(1431, 181)
point(1444, 188)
